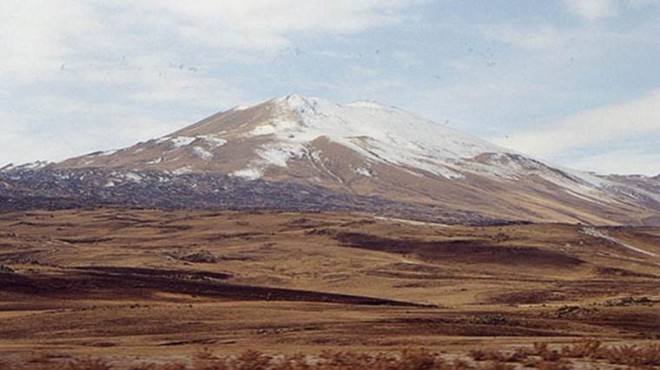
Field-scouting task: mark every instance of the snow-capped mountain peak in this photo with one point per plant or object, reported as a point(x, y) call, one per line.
point(287, 130)
point(378, 133)
point(367, 148)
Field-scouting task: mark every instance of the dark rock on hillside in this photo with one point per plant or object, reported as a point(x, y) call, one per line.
point(26, 189)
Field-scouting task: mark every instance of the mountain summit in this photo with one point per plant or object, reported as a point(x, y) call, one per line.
point(368, 149)
point(283, 132)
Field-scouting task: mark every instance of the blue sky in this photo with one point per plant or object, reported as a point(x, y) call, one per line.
point(574, 82)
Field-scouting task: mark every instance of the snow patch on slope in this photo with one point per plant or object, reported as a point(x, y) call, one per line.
point(202, 153)
point(378, 133)
point(212, 140)
point(107, 153)
point(26, 166)
point(182, 170)
point(132, 176)
point(364, 171)
point(247, 173)
point(515, 167)
point(603, 235)
point(365, 104)
point(183, 141)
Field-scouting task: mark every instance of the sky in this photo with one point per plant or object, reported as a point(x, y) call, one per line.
point(573, 82)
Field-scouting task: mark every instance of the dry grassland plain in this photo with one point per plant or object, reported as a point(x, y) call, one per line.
point(119, 288)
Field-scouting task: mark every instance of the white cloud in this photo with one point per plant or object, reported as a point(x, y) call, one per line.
point(104, 71)
point(592, 10)
point(33, 35)
point(622, 162)
point(80, 75)
point(89, 127)
point(38, 37)
point(595, 10)
point(406, 59)
point(542, 38)
point(590, 128)
point(362, 72)
point(39, 40)
point(260, 24)
point(597, 130)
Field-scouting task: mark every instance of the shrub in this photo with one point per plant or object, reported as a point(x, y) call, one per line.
point(542, 350)
point(540, 356)
point(633, 355)
point(588, 348)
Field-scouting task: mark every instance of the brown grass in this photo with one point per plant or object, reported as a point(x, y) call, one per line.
point(108, 283)
point(633, 355)
point(540, 356)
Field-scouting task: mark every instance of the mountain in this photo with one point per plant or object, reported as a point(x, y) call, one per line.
point(365, 149)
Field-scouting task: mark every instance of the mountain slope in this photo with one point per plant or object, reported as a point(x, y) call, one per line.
point(365, 148)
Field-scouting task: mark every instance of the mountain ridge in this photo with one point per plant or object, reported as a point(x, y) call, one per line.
point(369, 149)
